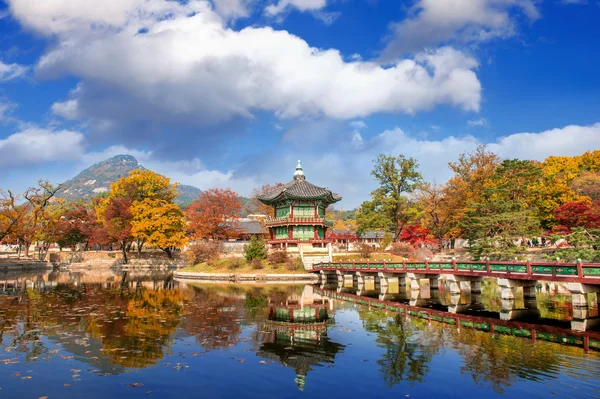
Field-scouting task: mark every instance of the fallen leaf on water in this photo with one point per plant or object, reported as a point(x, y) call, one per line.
point(136, 384)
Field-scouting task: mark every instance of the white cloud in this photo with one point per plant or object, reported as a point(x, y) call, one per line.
point(164, 72)
point(477, 122)
point(5, 110)
point(432, 22)
point(37, 145)
point(346, 168)
point(302, 5)
point(11, 71)
point(232, 8)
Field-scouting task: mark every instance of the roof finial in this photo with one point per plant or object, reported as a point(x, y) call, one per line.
point(299, 174)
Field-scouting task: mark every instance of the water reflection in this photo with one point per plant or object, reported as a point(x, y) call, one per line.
point(111, 322)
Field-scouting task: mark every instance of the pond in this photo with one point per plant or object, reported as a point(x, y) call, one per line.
point(106, 334)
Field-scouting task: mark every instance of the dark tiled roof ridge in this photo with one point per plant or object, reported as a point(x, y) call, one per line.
point(299, 188)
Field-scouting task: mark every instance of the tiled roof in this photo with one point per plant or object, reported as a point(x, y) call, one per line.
point(251, 227)
point(299, 188)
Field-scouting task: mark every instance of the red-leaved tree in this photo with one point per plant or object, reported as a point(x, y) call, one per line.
point(214, 214)
point(417, 235)
point(578, 214)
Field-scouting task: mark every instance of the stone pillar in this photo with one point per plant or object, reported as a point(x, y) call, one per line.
point(508, 288)
point(455, 283)
point(579, 298)
point(330, 251)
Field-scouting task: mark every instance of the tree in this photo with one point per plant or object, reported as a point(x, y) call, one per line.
point(214, 214)
point(30, 220)
point(416, 235)
point(506, 213)
point(159, 223)
point(472, 173)
point(256, 249)
point(389, 208)
point(436, 213)
point(116, 218)
point(578, 214)
point(255, 206)
point(136, 193)
point(588, 184)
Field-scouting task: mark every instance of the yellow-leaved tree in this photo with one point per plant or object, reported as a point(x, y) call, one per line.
point(140, 207)
point(160, 224)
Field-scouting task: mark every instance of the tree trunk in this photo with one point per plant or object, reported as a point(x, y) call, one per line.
point(124, 249)
point(168, 252)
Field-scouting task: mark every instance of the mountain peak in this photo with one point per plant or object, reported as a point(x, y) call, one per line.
point(97, 179)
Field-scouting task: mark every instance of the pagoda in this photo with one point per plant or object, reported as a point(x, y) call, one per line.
point(299, 220)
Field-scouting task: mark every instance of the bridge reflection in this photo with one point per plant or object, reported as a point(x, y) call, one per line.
point(519, 317)
point(418, 289)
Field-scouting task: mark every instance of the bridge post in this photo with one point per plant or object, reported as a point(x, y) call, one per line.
point(455, 283)
point(509, 308)
point(579, 298)
point(508, 288)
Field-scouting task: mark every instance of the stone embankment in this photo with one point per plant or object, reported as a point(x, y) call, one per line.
point(247, 277)
point(9, 265)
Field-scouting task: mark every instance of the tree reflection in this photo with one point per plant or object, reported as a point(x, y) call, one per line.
point(409, 345)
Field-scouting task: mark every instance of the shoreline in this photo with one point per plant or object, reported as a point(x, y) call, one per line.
point(246, 277)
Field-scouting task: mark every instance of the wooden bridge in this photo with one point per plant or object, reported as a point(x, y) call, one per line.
point(581, 280)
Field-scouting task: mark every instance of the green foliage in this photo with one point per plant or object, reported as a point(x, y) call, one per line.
point(506, 212)
point(389, 208)
point(584, 244)
point(256, 249)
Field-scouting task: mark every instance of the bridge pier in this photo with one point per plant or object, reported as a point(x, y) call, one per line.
point(508, 288)
point(581, 311)
point(458, 284)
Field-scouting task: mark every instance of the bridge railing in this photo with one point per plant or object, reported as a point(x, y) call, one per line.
point(530, 269)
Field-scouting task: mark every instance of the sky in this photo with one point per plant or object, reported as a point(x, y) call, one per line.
point(231, 93)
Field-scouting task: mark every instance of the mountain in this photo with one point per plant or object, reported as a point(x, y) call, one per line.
point(97, 179)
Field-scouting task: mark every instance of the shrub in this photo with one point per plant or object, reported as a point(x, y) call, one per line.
point(256, 263)
point(278, 257)
point(386, 241)
point(402, 249)
point(424, 254)
point(256, 249)
point(365, 250)
point(236, 263)
point(203, 251)
point(293, 264)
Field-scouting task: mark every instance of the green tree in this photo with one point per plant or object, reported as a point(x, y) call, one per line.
point(390, 208)
point(506, 213)
point(256, 249)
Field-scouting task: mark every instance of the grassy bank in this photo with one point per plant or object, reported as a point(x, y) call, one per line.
point(239, 266)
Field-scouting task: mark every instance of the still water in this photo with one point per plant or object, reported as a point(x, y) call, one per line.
point(105, 334)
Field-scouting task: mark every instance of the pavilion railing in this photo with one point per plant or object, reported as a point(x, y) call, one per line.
point(272, 221)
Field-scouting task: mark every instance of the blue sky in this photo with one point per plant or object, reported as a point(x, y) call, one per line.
point(230, 93)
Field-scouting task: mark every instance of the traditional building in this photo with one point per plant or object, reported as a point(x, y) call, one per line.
point(299, 220)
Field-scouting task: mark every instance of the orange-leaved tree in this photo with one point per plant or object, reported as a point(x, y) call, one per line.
point(214, 214)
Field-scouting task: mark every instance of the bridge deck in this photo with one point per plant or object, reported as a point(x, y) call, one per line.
point(588, 273)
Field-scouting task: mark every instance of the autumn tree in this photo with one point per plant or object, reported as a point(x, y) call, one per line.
point(436, 212)
point(214, 214)
point(472, 172)
point(390, 208)
point(159, 223)
point(116, 217)
point(127, 216)
point(257, 207)
point(587, 184)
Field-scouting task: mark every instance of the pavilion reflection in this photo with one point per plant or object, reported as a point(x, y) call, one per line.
point(295, 333)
